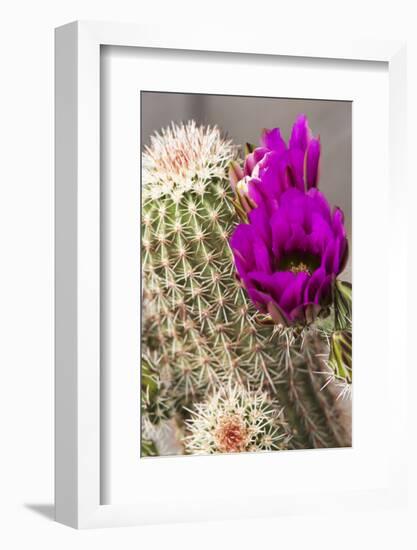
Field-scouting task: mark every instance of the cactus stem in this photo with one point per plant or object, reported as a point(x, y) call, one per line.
point(323, 401)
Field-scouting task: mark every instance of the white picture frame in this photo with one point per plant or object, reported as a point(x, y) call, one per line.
point(78, 405)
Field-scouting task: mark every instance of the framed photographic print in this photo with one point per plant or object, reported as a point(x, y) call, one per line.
point(224, 317)
point(244, 347)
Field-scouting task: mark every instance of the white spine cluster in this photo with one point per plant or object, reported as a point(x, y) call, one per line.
point(183, 157)
point(235, 420)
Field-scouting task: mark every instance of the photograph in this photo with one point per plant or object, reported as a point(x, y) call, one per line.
point(208, 226)
point(246, 246)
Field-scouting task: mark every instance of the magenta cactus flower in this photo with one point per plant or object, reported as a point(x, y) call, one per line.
point(293, 246)
point(272, 168)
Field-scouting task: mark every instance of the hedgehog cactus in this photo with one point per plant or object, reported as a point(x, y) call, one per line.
point(200, 332)
point(197, 322)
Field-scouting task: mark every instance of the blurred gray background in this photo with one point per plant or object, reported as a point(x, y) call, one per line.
point(243, 118)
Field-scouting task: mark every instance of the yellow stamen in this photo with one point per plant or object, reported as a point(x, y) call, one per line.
point(301, 267)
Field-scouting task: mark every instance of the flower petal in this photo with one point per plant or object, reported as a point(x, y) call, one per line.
point(297, 159)
point(253, 159)
point(292, 295)
point(331, 256)
point(258, 193)
point(301, 134)
point(260, 251)
point(312, 163)
point(241, 245)
point(338, 223)
point(344, 256)
point(320, 204)
point(272, 139)
point(314, 284)
point(259, 298)
point(323, 294)
point(259, 221)
point(272, 284)
point(277, 314)
point(280, 231)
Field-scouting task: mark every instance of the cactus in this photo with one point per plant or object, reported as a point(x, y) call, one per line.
point(236, 420)
point(197, 323)
point(156, 402)
point(200, 333)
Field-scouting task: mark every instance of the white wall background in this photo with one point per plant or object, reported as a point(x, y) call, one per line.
point(26, 273)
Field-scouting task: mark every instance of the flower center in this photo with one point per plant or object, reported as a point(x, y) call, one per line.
point(299, 268)
point(299, 262)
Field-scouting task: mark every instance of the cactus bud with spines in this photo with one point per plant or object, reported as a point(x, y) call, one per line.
point(236, 420)
point(340, 337)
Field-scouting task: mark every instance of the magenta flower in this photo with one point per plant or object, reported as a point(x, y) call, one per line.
point(272, 168)
point(293, 247)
